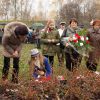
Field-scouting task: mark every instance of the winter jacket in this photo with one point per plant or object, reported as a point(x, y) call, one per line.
point(94, 38)
point(50, 48)
point(9, 40)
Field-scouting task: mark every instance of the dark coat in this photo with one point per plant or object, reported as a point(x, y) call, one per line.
point(94, 38)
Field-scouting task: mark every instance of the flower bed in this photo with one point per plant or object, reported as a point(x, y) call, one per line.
point(84, 86)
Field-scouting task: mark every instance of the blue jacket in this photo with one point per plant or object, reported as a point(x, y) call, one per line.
point(46, 67)
point(29, 34)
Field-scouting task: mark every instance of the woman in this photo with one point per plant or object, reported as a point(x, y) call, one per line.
point(72, 57)
point(15, 33)
point(50, 37)
point(39, 65)
point(94, 38)
point(36, 34)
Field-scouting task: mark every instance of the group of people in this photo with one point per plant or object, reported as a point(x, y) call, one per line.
point(41, 63)
point(51, 46)
point(34, 37)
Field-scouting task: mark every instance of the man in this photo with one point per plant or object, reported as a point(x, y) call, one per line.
point(14, 34)
point(37, 38)
point(62, 27)
point(60, 51)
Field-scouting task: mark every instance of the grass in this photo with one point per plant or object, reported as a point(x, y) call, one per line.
point(24, 68)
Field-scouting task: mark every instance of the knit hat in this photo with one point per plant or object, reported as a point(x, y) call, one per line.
point(34, 52)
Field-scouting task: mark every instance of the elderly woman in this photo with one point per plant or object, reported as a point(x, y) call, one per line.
point(72, 57)
point(94, 38)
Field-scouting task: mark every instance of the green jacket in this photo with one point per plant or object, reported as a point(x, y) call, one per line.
point(50, 48)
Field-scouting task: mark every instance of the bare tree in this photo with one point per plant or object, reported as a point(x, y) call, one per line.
point(4, 9)
point(25, 9)
point(70, 10)
point(83, 10)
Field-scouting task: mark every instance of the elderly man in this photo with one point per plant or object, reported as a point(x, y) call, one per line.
point(60, 51)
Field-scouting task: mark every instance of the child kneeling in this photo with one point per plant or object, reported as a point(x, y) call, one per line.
point(39, 66)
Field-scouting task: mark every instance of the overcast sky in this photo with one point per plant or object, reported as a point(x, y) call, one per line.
point(46, 6)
